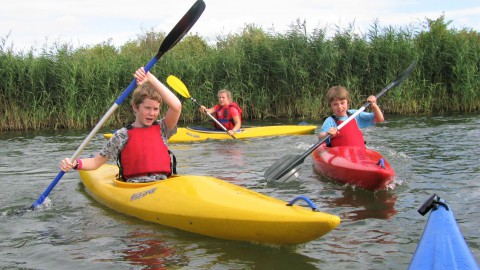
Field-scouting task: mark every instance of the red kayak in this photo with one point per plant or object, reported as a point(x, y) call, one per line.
point(357, 166)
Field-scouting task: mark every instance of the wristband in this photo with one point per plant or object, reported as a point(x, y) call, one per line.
point(79, 165)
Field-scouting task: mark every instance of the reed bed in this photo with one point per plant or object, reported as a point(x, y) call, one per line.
point(271, 74)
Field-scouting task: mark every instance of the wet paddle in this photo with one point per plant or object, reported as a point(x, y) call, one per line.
point(180, 87)
point(288, 166)
point(175, 35)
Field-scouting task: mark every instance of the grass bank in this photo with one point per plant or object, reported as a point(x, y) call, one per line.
point(270, 74)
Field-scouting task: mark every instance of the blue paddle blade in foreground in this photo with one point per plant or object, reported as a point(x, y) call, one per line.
point(442, 245)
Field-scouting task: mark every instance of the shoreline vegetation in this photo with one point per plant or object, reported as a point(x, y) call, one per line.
point(270, 74)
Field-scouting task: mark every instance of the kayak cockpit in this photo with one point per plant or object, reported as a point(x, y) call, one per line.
point(123, 184)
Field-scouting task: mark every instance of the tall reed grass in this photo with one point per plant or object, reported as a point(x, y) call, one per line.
point(270, 74)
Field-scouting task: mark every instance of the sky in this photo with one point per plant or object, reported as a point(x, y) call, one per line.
point(34, 24)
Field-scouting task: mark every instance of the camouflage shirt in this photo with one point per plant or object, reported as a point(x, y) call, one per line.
point(118, 141)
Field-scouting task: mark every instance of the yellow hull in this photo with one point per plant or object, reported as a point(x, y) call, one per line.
point(209, 206)
point(195, 135)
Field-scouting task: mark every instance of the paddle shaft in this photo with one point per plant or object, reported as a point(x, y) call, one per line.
point(278, 169)
point(350, 118)
point(312, 148)
point(175, 35)
point(90, 136)
point(182, 89)
point(214, 119)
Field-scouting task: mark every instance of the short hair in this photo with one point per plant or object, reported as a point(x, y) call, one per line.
point(229, 94)
point(145, 91)
point(337, 92)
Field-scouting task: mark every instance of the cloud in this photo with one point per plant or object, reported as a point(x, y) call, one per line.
point(33, 22)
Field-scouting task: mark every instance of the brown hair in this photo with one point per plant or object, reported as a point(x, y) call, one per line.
point(337, 92)
point(145, 91)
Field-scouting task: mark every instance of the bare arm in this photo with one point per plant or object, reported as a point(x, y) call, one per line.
point(83, 164)
point(376, 110)
point(331, 131)
point(238, 123)
point(173, 103)
point(204, 109)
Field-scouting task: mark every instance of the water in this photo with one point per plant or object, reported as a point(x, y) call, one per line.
point(431, 154)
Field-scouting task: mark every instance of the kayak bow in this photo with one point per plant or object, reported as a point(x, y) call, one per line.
point(361, 167)
point(442, 245)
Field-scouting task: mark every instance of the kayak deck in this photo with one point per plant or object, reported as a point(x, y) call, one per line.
point(209, 206)
point(442, 245)
point(196, 134)
point(356, 166)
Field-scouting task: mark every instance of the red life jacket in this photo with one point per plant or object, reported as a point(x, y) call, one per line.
point(350, 135)
point(222, 114)
point(145, 153)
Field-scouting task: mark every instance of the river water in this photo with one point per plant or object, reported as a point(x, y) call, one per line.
point(430, 154)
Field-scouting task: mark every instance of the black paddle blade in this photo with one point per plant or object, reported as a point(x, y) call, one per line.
point(284, 168)
point(182, 27)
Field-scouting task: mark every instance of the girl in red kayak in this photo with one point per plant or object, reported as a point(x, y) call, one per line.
point(227, 112)
point(140, 149)
point(350, 135)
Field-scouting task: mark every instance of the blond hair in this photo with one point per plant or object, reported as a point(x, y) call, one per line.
point(229, 94)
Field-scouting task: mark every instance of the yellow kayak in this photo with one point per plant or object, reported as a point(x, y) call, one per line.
point(209, 206)
point(193, 134)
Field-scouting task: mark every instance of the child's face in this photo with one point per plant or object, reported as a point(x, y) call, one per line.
point(223, 99)
point(147, 112)
point(339, 107)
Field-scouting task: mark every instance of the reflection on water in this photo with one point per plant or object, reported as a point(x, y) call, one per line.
point(378, 230)
point(150, 252)
point(251, 256)
point(365, 204)
point(148, 249)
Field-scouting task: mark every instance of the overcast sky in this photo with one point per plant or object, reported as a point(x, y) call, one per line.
point(29, 24)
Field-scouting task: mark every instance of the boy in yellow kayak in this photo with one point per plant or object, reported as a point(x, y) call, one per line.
point(140, 149)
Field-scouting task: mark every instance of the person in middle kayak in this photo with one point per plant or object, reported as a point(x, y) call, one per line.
point(227, 112)
point(350, 135)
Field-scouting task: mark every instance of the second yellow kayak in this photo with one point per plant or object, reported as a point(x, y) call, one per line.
point(192, 134)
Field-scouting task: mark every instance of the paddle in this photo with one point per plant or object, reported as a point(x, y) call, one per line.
point(175, 35)
point(288, 166)
point(180, 87)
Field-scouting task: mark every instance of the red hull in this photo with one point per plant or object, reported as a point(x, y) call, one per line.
point(353, 165)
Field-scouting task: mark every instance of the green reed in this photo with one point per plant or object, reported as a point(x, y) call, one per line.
point(270, 74)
